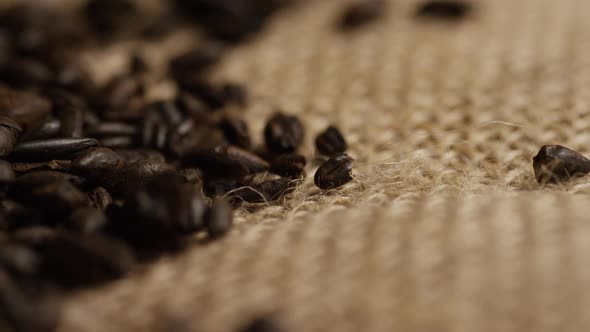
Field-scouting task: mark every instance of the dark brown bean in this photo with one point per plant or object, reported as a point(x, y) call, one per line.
point(86, 220)
point(97, 163)
point(100, 198)
point(283, 133)
point(330, 142)
point(130, 156)
point(219, 218)
point(27, 109)
point(18, 259)
point(448, 10)
point(6, 172)
point(226, 160)
point(334, 173)
point(120, 90)
point(265, 192)
point(289, 165)
point(555, 163)
point(190, 136)
point(52, 149)
point(49, 129)
point(191, 106)
point(361, 13)
point(70, 110)
point(118, 142)
point(211, 95)
point(25, 73)
point(215, 187)
point(9, 134)
point(235, 93)
point(125, 182)
point(236, 131)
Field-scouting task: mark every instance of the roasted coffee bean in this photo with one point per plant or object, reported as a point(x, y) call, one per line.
point(99, 198)
point(261, 324)
point(289, 166)
point(97, 163)
point(330, 142)
point(219, 218)
point(236, 131)
point(169, 112)
point(211, 95)
point(191, 106)
point(6, 173)
point(190, 136)
point(24, 312)
point(120, 90)
point(54, 199)
point(265, 192)
point(110, 129)
point(235, 93)
point(443, 9)
point(361, 12)
point(334, 173)
point(41, 178)
point(232, 20)
point(86, 220)
point(28, 109)
point(70, 110)
point(74, 260)
point(9, 134)
point(195, 61)
point(283, 133)
point(49, 129)
point(52, 149)
point(154, 132)
point(53, 165)
point(555, 163)
point(226, 160)
point(130, 156)
point(126, 181)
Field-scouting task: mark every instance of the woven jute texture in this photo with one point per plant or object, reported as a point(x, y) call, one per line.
point(444, 227)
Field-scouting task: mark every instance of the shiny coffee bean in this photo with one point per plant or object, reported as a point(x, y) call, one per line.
point(9, 133)
point(226, 160)
point(97, 163)
point(219, 218)
point(289, 166)
point(283, 133)
point(52, 149)
point(49, 129)
point(361, 13)
point(334, 173)
point(190, 136)
point(555, 163)
point(236, 131)
point(330, 142)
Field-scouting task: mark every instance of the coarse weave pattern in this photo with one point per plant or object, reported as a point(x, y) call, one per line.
point(444, 227)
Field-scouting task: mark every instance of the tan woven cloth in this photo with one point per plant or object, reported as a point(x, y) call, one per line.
point(444, 227)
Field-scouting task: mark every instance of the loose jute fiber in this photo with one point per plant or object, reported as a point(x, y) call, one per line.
point(444, 227)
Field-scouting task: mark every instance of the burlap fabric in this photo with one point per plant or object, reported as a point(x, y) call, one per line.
point(444, 227)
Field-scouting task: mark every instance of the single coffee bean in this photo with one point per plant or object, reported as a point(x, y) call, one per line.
point(234, 93)
point(265, 192)
point(283, 133)
point(443, 10)
point(111, 129)
point(70, 110)
point(361, 12)
point(261, 324)
point(330, 142)
point(9, 134)
point(334, 173)
point(236, 131)
point(28, 109)
point(126, 181)
point(190, 136)
point(53, 165)
point(52, 149)
point(97, 163)
point(49, 129)
point(219, 218)
point(289, 166)
point(86, 220)
point(100, 198)
point(555, 163)
point(226, 160)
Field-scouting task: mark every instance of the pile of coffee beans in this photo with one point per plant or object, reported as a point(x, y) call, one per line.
point(95, 179)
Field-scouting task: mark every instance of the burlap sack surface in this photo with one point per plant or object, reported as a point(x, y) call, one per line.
point(444, 227)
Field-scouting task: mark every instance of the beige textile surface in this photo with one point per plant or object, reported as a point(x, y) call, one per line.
point(444, 227)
